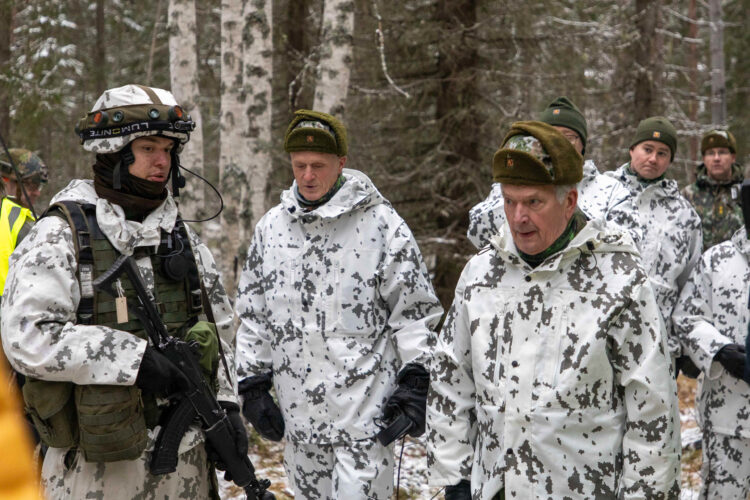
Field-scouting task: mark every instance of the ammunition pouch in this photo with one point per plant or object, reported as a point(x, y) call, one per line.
point(50, 406)
point(111, 422)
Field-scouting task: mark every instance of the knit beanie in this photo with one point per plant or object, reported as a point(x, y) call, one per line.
point(656, 128)
point(563, 113)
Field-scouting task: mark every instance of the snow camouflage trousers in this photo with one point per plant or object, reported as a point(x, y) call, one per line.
point(66, 475)
point(352, 471)
point(726, 467)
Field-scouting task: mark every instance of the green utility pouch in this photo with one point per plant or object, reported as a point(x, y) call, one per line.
point(51, 408)
point(204, 334)
point(111, 422)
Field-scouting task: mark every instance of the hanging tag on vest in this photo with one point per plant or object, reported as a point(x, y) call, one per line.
point(121, 304)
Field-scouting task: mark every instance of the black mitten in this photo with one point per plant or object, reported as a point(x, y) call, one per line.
point(410, 397)
point(460, 491)
point(158, 375)
point(259, 407)
point(732, 358)
point(240, 436)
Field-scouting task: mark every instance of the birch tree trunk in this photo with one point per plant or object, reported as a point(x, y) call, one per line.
point(257, 74)
point(718, 83)
point(335, 57)
point(183, 68)
point(234, 154)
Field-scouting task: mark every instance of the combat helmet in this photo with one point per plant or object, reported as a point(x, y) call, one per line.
point(29, 165)
point(123, 114)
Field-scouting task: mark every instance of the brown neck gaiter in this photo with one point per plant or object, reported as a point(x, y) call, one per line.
point(138, 197)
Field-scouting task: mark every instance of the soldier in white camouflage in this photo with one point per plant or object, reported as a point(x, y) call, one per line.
point(672, 240)
point(715, 194)
point(599, 196)
point(551, 376)
point(711, 319)
point(336, 314)
point(96, 386)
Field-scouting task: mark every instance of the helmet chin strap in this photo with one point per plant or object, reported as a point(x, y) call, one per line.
point(178, 181)
point(127, 159)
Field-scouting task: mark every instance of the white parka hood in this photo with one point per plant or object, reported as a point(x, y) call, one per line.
point(598, 236)
point(357, 192)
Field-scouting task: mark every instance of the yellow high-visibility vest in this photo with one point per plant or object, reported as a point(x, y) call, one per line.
point(12, 218)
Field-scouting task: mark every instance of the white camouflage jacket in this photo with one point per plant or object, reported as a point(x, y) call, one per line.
point(555, 382)
point(334, 302)
point(40, 334)
point(711, 313)
point(599, 197)
point(672, 240)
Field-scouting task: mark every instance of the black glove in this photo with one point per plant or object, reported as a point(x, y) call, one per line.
point(240, 436)
point(732, 358)
point(685, 365)
point(158, 375)
point(259, 407)
point(409, 398)
point(460, 491)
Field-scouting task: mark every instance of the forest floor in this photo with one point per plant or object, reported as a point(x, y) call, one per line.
point(267, 459)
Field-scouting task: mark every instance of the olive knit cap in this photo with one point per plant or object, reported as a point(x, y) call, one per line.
point(718, 139)
point(562, 112)
point(535, 153)
point(657, 128)
point(315, 131)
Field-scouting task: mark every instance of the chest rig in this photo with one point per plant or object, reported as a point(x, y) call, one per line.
point(109, 422)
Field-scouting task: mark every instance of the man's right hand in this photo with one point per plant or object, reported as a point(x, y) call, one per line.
point(460, 491)
point(260, 409)
point(732, 358)
point(158, 375)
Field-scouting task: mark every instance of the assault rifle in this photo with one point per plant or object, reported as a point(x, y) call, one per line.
point(197, 401)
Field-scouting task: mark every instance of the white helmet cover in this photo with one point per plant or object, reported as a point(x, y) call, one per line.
point(125, 113)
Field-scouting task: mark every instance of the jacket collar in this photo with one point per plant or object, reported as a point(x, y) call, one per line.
point(125, 235)
point(596, 237)
point(357, 192)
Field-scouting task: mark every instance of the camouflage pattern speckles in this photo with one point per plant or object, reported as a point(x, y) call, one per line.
point(599, 196)
point(346, 471)
point(532, 145)
point(334, 302)
point(42, 339)
point(711, 313)
point(671, 243)
point(717, 204)
point(726, 467)
point(73, 477)
point(555, 382)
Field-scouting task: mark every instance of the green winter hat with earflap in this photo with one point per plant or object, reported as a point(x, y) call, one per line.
point(718, 139)
point(535, 153)
point(563, 113)
point(315, 131)
point(657, 128)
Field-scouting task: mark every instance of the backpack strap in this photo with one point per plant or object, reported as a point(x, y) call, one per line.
point(82, 221)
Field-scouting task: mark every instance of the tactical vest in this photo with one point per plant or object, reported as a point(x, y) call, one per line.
point(12, 218)
point(110, 422)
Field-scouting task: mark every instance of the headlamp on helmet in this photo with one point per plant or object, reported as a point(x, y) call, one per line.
point(123, 114)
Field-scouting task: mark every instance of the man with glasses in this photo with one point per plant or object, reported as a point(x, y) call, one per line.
point(715, 194)
point(600, 196)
